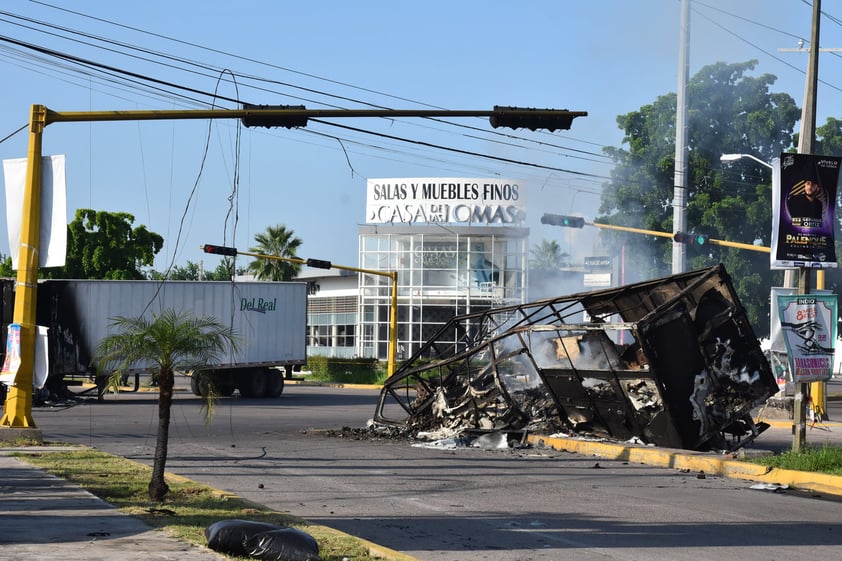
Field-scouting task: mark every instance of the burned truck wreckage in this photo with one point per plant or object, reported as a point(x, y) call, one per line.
point(672, 362)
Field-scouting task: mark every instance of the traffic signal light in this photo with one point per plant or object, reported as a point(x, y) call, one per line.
point(690, 238)
point(533, 119)
point(219, 249)
point(268, 121)
point(562, 220)
point(319, 264)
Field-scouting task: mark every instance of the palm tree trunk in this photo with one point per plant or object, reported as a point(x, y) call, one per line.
point(158, 487)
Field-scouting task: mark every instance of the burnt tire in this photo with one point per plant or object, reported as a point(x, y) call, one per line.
point(274, 383)
point(253, 383)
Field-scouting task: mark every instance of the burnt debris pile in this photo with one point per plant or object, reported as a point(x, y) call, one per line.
point(672, 362)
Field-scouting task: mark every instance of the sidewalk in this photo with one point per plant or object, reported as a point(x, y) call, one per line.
point(44, 517)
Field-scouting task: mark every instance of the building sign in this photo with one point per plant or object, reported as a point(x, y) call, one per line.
point(803, 203)
point(432, 200)
point(602, 280)
point(598, 262)
point(808, 324)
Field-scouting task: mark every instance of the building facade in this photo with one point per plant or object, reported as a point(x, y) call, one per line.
point(458, 245)
point(442, 272)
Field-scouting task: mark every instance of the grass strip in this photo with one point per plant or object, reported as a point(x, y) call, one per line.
point(190, 507)
point(825, 459)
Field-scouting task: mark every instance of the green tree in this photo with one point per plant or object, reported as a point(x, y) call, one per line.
point(829, 143)
point(6, 270)
point(224, 271)
point(106, 245)
point(169, 342)
point(828, 138)
point(729, 112)
point(280, 242)
point(191, 271)
point(548, 255)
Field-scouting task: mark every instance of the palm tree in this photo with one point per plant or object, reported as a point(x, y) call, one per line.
point(169, 342)
point(548, 255)
point(278, 241)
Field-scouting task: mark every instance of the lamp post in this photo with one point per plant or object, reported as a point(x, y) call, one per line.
point(726, 158)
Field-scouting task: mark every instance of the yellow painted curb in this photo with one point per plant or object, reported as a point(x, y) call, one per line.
point(693, 461)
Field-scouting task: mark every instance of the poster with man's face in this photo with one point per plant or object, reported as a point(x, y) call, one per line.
point(803, 211)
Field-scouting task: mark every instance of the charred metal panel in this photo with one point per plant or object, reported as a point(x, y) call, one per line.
point(673, 362)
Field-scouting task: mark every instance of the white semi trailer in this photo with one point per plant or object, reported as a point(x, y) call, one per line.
point(268, 318)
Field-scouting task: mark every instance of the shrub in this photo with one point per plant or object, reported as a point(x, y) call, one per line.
point(346, 370)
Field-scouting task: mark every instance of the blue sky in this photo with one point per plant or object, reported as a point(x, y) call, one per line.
point(606, 57)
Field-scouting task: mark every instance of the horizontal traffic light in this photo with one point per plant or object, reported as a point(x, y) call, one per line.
point(259, 119)
point(319, 264)
point(219, 249)
point(563, 220)
point(690, 238)
point(533, 119)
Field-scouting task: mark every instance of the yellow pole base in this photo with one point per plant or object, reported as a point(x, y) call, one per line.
point(18, 410)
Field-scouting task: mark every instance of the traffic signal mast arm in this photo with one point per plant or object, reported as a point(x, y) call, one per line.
point(291, 116)
point(712, 241)
point(678, 237)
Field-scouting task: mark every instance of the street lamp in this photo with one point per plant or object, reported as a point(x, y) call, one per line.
point(725, 158)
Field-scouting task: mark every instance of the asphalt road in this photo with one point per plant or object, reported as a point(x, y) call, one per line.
point(438, 504)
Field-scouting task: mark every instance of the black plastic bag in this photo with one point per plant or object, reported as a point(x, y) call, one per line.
point(230, 536)
point(285, 544)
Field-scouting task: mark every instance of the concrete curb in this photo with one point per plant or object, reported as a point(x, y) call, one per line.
point(374, 550)
point(693, 461)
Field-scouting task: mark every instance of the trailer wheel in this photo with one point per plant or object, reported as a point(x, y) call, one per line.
point(226, 389)
point(274, 383)
point(199, 384)
point(253, 383)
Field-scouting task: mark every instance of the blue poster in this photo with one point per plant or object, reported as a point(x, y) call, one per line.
point(11, 362)
point(808, 325)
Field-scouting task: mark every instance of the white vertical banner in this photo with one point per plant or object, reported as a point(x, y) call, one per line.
point(41, 367)
point(808, 324)
point(53, 241)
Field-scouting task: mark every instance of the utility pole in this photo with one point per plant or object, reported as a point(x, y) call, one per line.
point(818, 390)
point(806, 145)
point(679, 204)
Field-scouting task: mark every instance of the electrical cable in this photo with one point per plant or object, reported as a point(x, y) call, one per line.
point(207, 67)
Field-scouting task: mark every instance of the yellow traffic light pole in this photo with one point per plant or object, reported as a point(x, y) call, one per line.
point(393, 308)
point(18, 410)
point(712, 241)
point(18, 407)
